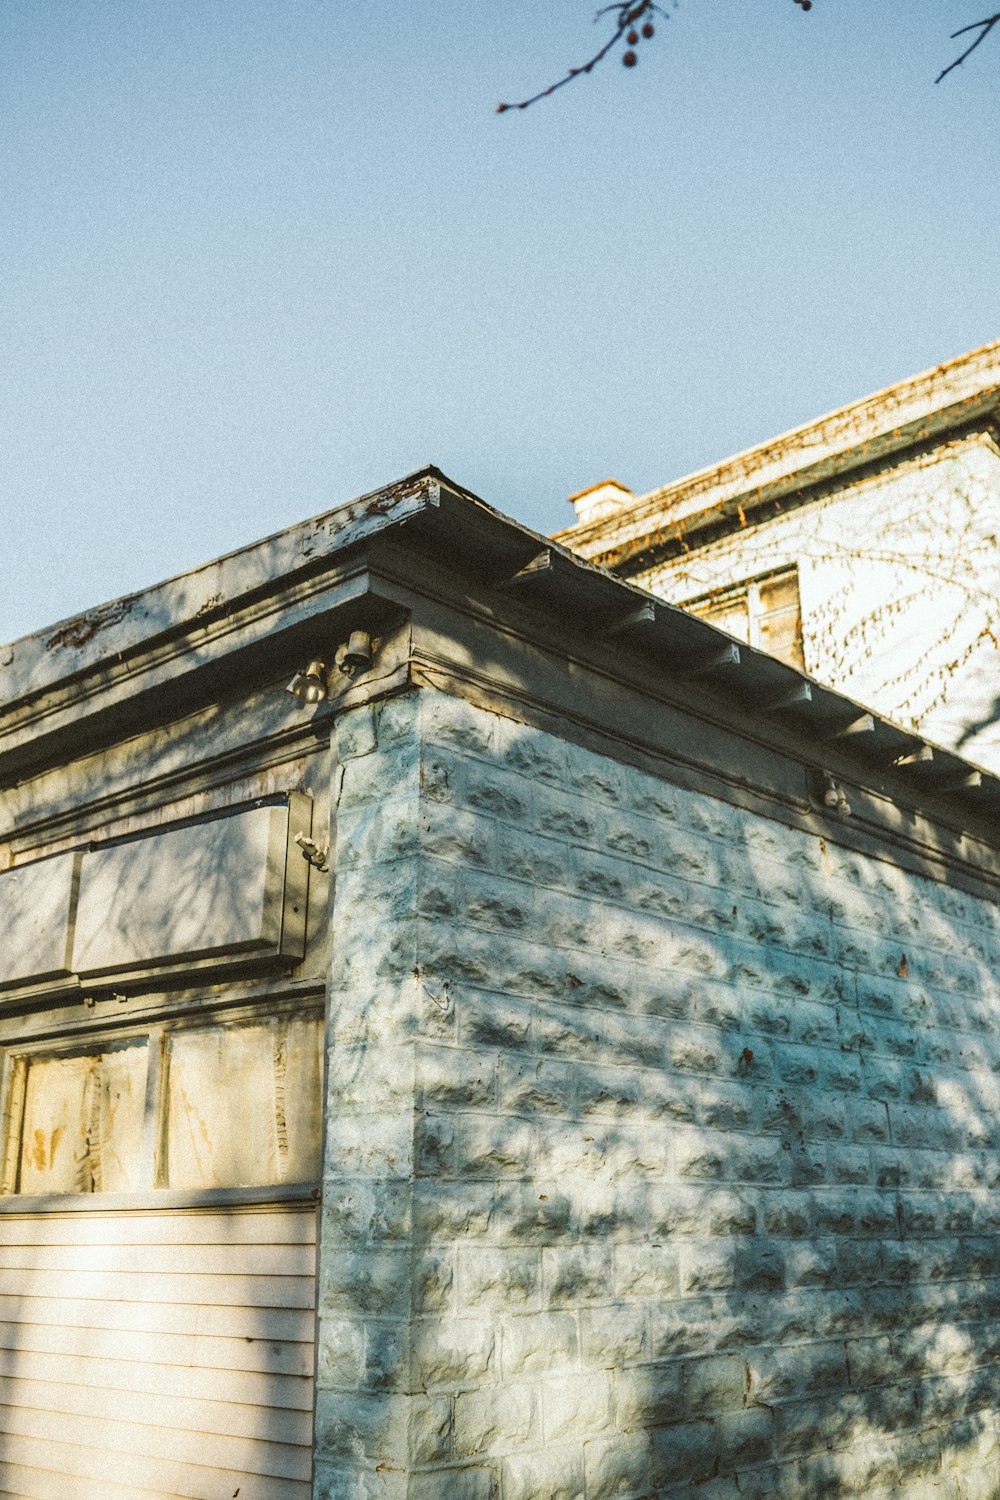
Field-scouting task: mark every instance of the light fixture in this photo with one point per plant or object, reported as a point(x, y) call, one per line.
point(834, 796)
point(310, 686)
point(356, 656)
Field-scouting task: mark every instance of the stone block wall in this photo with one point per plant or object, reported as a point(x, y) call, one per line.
point(661, 1151)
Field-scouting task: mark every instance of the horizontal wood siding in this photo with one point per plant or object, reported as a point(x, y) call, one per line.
point(157, 1354)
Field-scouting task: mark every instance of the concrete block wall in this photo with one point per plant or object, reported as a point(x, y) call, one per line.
point(662, 1153)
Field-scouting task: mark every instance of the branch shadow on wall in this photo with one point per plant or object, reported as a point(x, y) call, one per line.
point(713, 1119)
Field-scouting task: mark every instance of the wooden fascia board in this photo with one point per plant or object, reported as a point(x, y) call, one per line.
point(177, 673)
point(572, 673)
point(659, 657)
point(446, 554)
point(198, 613)
point(699, 745)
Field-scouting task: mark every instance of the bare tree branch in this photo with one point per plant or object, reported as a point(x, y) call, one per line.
point(984, 27)
point(629, 14)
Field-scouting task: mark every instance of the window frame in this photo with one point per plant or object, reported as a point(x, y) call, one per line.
point(749, 591)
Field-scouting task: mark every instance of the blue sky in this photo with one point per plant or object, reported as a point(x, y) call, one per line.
point(258, 257)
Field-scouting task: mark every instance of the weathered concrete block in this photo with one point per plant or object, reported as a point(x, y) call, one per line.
point(619, 1466)
point(452, 1353)
point(456, 1078)
point(540, 1212)
point(870, 1362)
point(577, 1274)
point(431, 1426)
point(334, 1483)
point(494, 1021)
point(449, 721)
point(649, 1395)
point(475, 1482)
point(443, 1212)
point(538, 1343)
point(540, 757)
point(646, 1271)
point(523, 855)
point(530, 1086)
point(693, 1178)
point(459, 838)
point(614, 1337)
point(497, 1419)
point(776, 1374)
point(375, 1145)
point(578, 1407)
point(433, 1281)
point(363, 1429)
point(484, 1146)
point(556, 1472)
point(365, 1209)
point(359, 1089)
point(500, 905)
point(366, 1281)
point(340, 1353)
point(715, 1385)
point(811, 1265)
point(746, 1438)
point(500, 1278)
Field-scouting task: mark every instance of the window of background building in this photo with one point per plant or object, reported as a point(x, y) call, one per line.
point(764, 612)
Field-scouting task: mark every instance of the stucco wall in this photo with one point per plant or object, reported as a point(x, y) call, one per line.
point(899, 578)
point(662, 1141)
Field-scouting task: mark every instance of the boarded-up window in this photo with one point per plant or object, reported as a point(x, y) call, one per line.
point(81, 1126)
point(243, 1106)
point(210, 1107)
point(765, 612)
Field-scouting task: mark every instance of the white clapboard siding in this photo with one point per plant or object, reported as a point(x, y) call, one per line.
point(160, 1260)
point(292, 1324)
point(252, 1387)
point(162, 1355)
point(239, 1418)
point(213, 1291)
point(261, 1225)
point(252, 1352)
point(144, 1478)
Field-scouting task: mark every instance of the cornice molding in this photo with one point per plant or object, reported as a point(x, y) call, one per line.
point(959, 397)
point(457, 588)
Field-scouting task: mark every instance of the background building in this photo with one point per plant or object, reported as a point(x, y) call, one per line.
point(863, 547)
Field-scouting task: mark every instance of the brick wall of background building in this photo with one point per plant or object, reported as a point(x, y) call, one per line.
point(662, 1141)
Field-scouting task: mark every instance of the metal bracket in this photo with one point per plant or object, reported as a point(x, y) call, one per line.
point(312, 853)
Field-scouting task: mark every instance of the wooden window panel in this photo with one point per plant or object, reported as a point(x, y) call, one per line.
point(81, 1125)
point(243, 1106)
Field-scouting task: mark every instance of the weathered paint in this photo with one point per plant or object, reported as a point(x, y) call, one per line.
point(659, 1096)
point(661, 1155)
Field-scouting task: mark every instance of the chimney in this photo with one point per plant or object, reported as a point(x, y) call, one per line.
point(601, 500)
